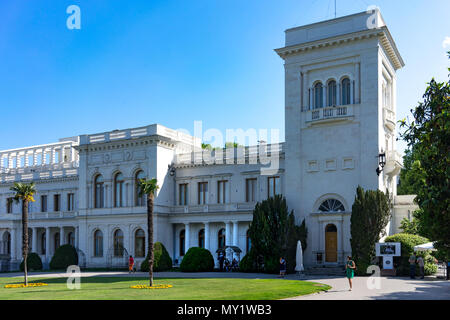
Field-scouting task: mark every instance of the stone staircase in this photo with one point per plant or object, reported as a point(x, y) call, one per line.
point(325, 271)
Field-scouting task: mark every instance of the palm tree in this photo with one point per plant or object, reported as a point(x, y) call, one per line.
point(24, 192)
point(149, 187)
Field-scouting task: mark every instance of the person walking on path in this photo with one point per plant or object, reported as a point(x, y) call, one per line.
point(412, 266)
point(282, 267)
point(130, 264)
point(421, 264)
point(350, 270)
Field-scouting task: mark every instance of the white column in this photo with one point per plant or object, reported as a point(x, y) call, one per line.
point(61, 236)
point(187, 236)
point(34, 240)
point(47, 244)
point(13, 244)
point(235, 233)
point(228, 233)
point(207, 235)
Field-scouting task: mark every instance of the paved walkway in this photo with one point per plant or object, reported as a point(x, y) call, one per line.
point(397, 288)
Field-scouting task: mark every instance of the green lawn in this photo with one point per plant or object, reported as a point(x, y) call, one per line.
point(118, 288)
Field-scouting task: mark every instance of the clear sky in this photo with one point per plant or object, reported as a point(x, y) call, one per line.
point(135, 63)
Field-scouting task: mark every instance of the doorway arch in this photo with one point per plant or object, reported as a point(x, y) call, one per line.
point(330, 243)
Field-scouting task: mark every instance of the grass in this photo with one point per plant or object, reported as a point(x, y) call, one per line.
point(118, 288)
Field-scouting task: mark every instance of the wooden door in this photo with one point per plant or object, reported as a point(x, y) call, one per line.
point(331, 246)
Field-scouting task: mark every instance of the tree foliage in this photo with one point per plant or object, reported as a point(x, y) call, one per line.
point(412, 176)
point(162, 260)
point(273, 234)
point(429, 135)
point(370, 216)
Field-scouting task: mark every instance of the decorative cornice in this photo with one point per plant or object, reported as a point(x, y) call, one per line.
point(383, 33)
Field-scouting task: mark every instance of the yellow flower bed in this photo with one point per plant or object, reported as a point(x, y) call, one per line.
point(21, 285)
point(158, 286)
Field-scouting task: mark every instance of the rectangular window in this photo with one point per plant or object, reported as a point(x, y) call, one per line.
point(222, 191)
point(43, 203)
point(56, 202)
point(9, 205)
point(250, 190)
point(202, 192)
point(70, 201)
point(183, 194)
point(273, 186)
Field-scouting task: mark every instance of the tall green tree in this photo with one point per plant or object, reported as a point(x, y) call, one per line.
point(24, 192)
point(429, 135)
point(273, 233)
point(412, 175)
point(149, 187)
point(371, 213)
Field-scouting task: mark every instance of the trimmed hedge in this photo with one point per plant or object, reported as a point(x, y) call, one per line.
point(197, 260)
point(34, 262)
point(64, 256)
point(408, 241)
point(162, 260)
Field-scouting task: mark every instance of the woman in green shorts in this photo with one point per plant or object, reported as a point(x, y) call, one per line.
point(350, 270)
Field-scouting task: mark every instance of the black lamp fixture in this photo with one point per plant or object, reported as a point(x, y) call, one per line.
point(171, 170)
point(381, 162)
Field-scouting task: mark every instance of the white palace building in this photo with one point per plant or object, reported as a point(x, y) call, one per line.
point(340, 115)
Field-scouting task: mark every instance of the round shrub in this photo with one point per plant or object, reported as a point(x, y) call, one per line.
point(64, 256)
point(248, 263)
point(408, 241)
point(197, 260)
point(162, 260)
point(34, 262)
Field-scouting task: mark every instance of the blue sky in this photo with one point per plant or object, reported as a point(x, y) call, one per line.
point(135, 63)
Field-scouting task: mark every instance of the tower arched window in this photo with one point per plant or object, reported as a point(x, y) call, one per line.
point(98, 243)
point(139, 243)
point(221, 239)
point(118, 243)
point(118, 190)
point(139, 200)
point(182, 242)
point(331, 205)
point(99, 192)
point(345, 94)
point(318, 95)
point(201, 238)
point(331, 96)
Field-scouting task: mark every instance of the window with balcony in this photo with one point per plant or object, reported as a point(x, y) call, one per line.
point(331, 93)
point(70, 201)
point(318, 95)
point(345, 94)
point(56, 202)
point(202, 192)
point(44, 203)
point(250, 190)
point(139, 201)
point(183, 194)
point(9, 205)
point(222, 191)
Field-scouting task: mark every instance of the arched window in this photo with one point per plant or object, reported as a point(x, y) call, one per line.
point(345, 94)
point(182, 243)
point(331, 96)
point(318, 95)
point(43, 242)
point(118, 243)
point(71, 239)
point(6, 243)
point(99, 192)
point(330, 228)
point(118, 190)
point(331, 205)
point(201, 238)
point(139, 243)
point(221, 238)
point(139, 201)
point(248, 242)
point(56, 239)
point(98, 243)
